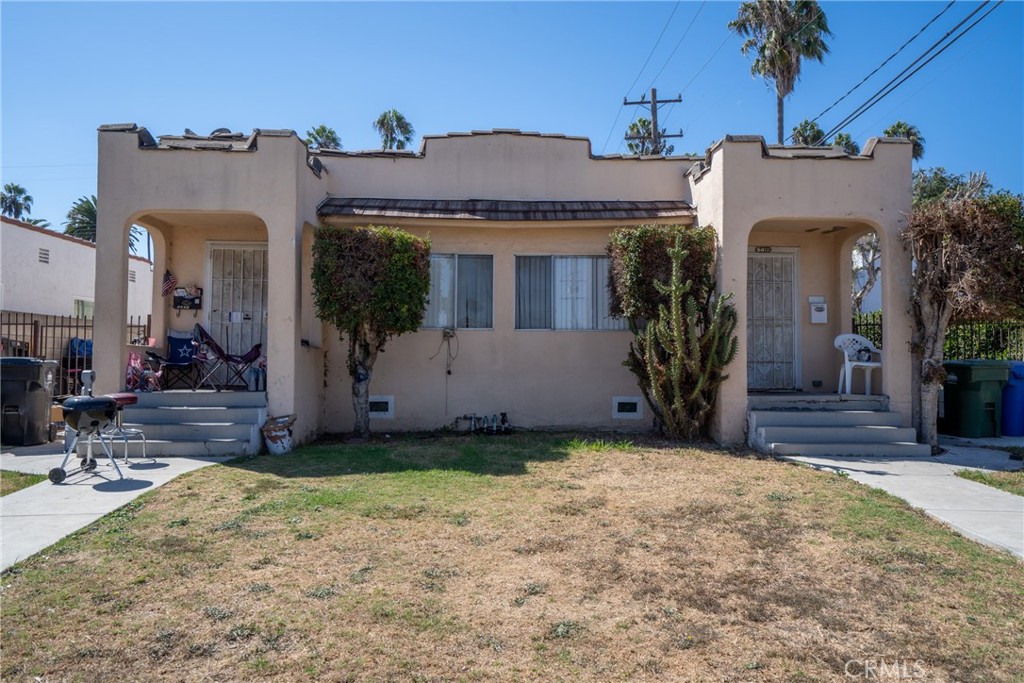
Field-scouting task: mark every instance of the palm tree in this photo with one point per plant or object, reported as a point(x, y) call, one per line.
point(902, 129)
point(848, 144)
point(643, 144)
point(781, 33)
point(81, 222)
point(394, 130)
point(38, 222)
point(808, 133)
point(323, 137)
point(15, 201)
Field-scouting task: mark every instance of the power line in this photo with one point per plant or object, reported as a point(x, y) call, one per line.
point(877, 68)
point(680, 42)
point(900, 78)
point(640, 72)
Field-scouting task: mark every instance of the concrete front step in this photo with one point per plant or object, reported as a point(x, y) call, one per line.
point(188, 431)
point(833, 432)
point(191, 423)
point(823, 419)
point(202, 398)
point(816, 402)
point(190, 448)
point(891, 450)
point(863, 434)
point(190, 414)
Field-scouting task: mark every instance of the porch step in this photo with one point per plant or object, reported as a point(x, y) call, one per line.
point(888, 450)
point(195, 423)
point(833, 432)
point(804, 401)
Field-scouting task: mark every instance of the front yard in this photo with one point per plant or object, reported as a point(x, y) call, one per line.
point(513, 558)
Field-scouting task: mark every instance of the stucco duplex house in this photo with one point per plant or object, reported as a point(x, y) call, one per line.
point(517, 320)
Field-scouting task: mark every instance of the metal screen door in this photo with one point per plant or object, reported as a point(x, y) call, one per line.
point(771, 321)
point(238, 297)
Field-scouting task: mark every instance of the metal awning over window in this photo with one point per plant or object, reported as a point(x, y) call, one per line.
point(505, 210)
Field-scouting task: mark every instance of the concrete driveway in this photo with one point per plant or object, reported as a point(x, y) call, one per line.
point(38, 516)
point(985, 514)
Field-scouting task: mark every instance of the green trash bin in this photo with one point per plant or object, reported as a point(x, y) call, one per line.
point(972, 397)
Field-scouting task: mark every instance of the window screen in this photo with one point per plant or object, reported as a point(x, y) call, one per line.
point(461, 292)
point(563, 293)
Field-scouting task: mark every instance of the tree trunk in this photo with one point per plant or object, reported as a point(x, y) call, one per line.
point(778, 111)
point(362, 356)
point(932, 323)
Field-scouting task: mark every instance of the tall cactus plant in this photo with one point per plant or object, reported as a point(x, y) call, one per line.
point(680, 354)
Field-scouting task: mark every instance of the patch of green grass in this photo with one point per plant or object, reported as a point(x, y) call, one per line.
point(1012, 482)
point(15, 481)
point(578, 445)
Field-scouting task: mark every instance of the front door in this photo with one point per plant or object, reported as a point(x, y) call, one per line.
point(237, 311)
point(772, 320)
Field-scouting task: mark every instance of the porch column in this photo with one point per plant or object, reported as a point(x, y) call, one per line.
point(283, 309)
point(897, 326)
point(110, 352)
point(728, 426)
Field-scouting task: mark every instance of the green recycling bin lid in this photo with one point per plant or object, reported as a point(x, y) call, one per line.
point(976, 370)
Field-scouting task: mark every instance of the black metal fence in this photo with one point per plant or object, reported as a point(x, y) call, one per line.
point(62, 338)
point(1000, 340)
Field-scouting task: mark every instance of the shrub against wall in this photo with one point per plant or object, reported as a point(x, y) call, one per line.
point(662, 281)
point(372, 284)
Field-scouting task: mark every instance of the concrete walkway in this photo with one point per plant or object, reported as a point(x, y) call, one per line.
point(36, 517)
point(985, 514)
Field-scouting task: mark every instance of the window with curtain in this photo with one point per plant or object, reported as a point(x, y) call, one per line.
point(461, 292)
point(563, 293)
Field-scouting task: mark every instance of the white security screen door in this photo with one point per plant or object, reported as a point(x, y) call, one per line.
point(772, 321)
point(237, 308)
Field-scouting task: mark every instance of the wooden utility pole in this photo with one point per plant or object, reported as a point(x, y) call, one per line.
point(656, 137)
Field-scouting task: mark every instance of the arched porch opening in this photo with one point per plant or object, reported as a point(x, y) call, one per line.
point(799, 275)
point(215, 266)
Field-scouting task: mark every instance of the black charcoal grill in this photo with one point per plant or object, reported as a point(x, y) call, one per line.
point(87, 416)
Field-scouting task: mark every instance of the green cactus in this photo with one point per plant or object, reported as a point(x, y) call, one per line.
point(680, 356)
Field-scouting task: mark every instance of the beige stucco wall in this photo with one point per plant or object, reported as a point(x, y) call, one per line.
point(30, 286)
point(169, 191)
point(744, 187)
point(540, 378)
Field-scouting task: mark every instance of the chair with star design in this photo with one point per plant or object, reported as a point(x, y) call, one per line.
point(179, 365)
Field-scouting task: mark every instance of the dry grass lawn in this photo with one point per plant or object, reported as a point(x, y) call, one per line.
point(517, 558)
point(16, 481)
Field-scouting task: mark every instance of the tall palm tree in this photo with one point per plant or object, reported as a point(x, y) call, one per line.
point(15, 201)
point(781, 33)
point(81, 222)
point(643, 144)
point(902, 129)
point(323, 137)
point(394, 130)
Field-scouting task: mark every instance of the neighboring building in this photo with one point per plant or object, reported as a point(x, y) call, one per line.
point(50, 273)
point(518, 224)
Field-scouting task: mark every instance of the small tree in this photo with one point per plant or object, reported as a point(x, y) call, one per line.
point(323, 137)
point(661, 281)
point(372, 284)
point(967, 263)
point(640, 139)
point(808, 133)
point(846, 141)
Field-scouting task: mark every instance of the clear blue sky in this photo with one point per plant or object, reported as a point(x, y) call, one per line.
point(542, 66)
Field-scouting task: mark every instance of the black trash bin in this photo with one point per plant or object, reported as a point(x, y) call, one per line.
point(26, 391)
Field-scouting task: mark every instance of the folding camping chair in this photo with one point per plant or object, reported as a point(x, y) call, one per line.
point(179, 364)
point(211, 358)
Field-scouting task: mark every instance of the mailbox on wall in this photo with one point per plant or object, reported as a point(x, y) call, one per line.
point(819, 310)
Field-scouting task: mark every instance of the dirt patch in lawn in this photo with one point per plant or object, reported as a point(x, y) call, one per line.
point(522, 558)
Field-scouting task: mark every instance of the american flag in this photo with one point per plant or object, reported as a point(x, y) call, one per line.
point(170, 282)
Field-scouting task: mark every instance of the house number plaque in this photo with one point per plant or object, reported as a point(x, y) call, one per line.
point(762, 250)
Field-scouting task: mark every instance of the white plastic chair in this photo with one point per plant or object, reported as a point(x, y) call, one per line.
point(858, 352)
